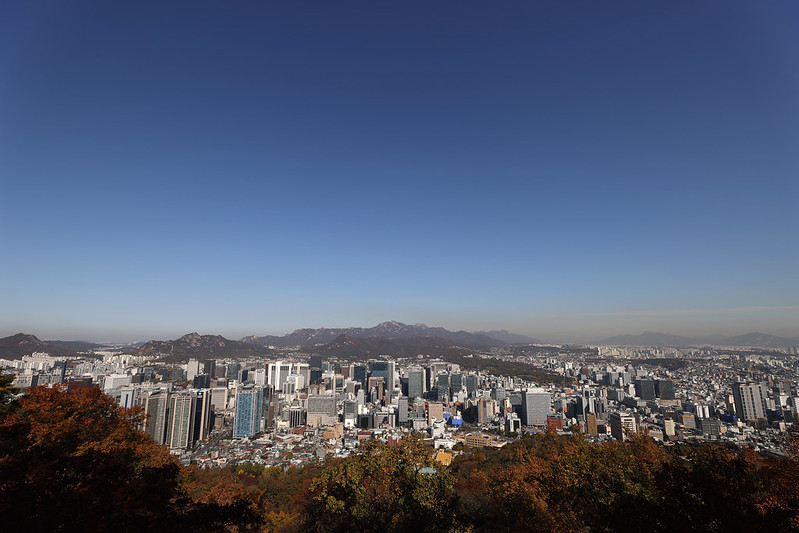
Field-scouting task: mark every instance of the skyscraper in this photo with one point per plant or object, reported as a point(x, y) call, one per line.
point(455, 382)
point(385, 370)
point(471, 381)
point(359, 374)
point(192, 369)
point(156, 407)
point(322, 410)
point(402, 410)
point(209, 368)
point(442, 386)
point(233, 371)
point(536, 405)
point(664, 388)
point(278, 373)
point(203, 414)
point(750, 400)
point(415, 382)
point(591, 427)
point(249, 409)
point(181, 420)
point(645, 389)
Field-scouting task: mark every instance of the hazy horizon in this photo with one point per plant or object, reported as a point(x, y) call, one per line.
point(564, 171)
point(540, 334)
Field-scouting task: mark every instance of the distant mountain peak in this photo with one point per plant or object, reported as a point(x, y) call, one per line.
point(200, 346)
point(24, 338)
point(20, 344)
point(390, 329)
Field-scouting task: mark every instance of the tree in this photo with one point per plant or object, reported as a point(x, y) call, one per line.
point(76, 461)
point(7, 390)
point(394, 487)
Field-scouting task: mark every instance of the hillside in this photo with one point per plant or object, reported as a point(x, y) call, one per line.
point(196, 346)
point(758, 340)
point(15, 346)
point(354, 348)
point(651, 338)
point(308, 337)
point(508, 337)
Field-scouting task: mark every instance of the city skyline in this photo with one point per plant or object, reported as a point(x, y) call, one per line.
point(563, 172)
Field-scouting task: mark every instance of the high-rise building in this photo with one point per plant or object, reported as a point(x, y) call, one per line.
point(192, 369)
point(203, 414)
point(359, 375)
point(296, 416)
point(645, 389)
point(442, 386)
point(202, 381)
point(302, 369)
point(587, 402)
point(591, 426)
point(209, 368)
point(402, 410)
point(435, 411)
point(664, 389)
point(322, 410)
point(622, 425)
point(536, 405)
point(219, 398)
point(156, 407)
point(181, 419)
point(128, 397)
point(486, 409)
point(278, 373)
point(435, 368)
point(350, 409)
point(233, 371)
point(750, 400)
point(249, 409)
point(455, 382)
point(472, 382)
point(385, 370)
point(415, 382)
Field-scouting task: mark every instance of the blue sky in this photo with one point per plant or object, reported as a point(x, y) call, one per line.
point(564, 171)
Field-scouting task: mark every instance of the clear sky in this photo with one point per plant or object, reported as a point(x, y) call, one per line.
point(564, 170)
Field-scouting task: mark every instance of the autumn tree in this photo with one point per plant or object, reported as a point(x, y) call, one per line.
point(384, 487)
point(76, 461)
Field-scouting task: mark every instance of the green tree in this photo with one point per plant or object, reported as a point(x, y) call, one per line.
point(384, 487)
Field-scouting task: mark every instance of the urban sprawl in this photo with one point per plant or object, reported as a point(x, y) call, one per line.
point(304, 408)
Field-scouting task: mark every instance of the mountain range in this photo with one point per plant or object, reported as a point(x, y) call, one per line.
point(393, 338)
point(366, 348)
point(652, 338)
point(390, 330)
point(510, 338)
